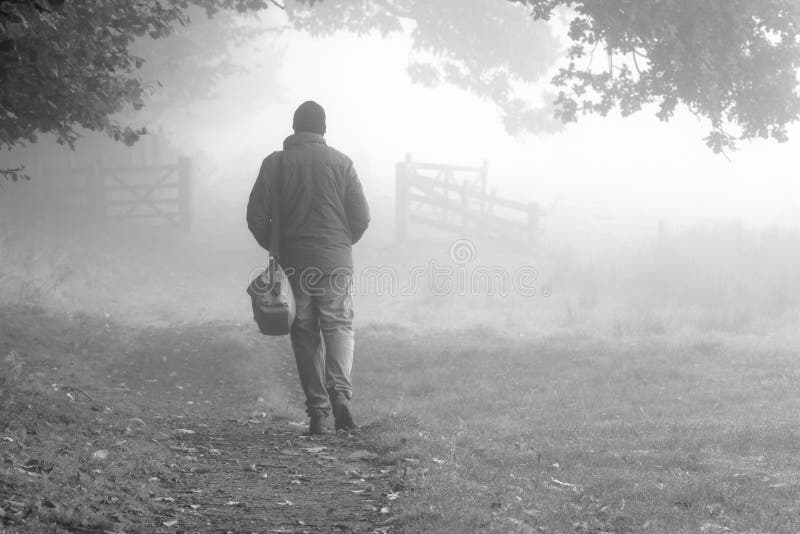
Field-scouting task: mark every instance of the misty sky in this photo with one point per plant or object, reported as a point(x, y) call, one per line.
point(632, 169)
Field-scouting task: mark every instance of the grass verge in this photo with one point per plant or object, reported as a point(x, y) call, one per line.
point(569, 434)
point(492, 433)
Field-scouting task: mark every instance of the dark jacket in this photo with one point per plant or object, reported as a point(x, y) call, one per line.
point(323, 210)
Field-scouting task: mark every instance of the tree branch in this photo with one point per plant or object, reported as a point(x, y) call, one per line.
point(636, 63)
point(591, 56)
point(15, 174)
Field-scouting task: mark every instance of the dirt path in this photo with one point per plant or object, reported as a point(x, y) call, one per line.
point(182, 429)
point(248, 476)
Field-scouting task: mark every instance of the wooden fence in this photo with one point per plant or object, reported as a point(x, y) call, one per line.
point(157, 193)
point(456, 198)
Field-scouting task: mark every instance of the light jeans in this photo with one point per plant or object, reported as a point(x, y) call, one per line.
point(322, 338)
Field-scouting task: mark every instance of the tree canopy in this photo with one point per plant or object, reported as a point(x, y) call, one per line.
point(732, 62)
point(488, 47)
point(67, 65)
point(187, 65)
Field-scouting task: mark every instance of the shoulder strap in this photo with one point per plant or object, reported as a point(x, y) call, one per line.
point(274, 238)
point(274, 226)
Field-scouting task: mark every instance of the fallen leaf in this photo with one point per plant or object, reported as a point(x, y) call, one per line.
point(711, 527)
point(574, 488)
point(29, 473)
point(523, 526)
point(183, 449)
point(362, 454)
point(102, 454)
point(561, 484)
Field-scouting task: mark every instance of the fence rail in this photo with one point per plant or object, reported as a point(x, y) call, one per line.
point(160, 193)
point(456, 198)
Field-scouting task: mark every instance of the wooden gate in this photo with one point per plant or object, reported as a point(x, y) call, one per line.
point(456, 198)
point(156, 193)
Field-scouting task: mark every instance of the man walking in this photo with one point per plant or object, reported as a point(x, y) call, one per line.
point(323, 212)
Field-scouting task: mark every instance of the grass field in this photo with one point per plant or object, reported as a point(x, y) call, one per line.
point(672, 410)
point(566, 434)
point(554, 434)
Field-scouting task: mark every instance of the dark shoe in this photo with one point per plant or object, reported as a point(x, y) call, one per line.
point(318, 425)
point(343, 414)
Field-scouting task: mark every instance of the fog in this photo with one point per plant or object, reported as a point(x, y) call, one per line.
point(583, 327)
point(636, 167)
point(610, 189)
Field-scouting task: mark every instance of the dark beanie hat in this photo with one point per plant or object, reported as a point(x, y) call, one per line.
point(309, 117)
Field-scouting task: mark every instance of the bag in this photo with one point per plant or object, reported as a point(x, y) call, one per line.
point(271, 293)
point(273, 301)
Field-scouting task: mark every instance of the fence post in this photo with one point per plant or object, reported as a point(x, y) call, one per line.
point(401, 199)
point(484, 181)
point(185, 192)
point(464, 205)
point(97, 193)
point(533, 223)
